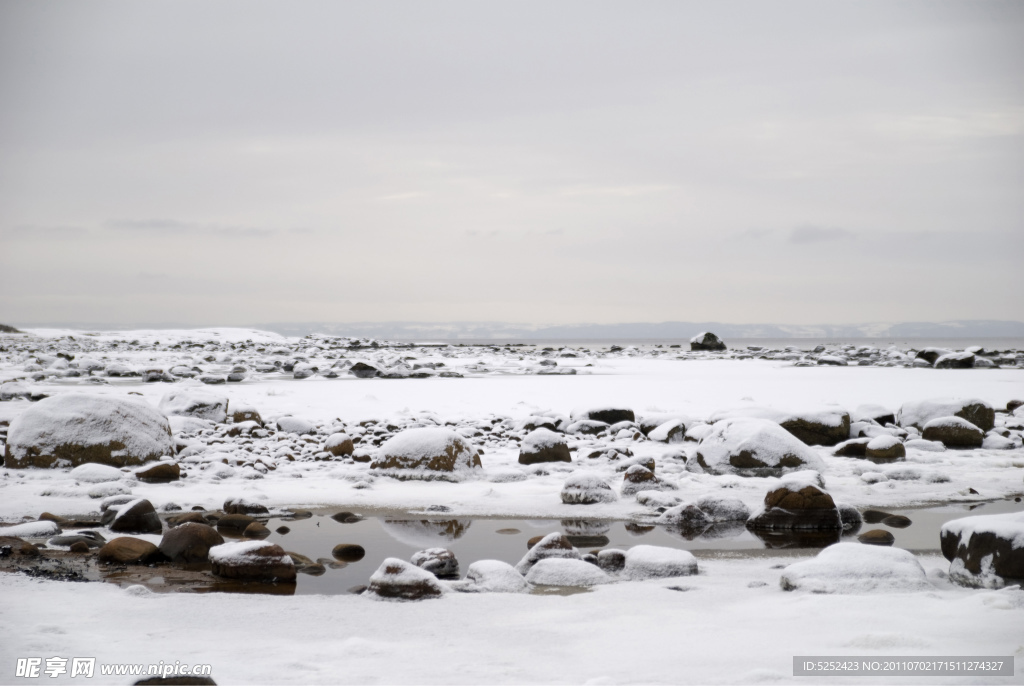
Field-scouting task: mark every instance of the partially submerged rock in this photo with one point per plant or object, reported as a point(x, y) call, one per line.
point(856, 568)
point(492, 576)
point(136, 517)
point(399, 580)
point(440, 562)
point(189, 542)
point(73, 429)
point(651, 562)
point(427, 453)
point(128, 550)
point(566, 572)
point(985, 550)
point(797, 506)
point(252, 560)
point(554, 545)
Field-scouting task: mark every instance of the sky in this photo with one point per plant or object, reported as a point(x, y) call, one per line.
point(228, 163)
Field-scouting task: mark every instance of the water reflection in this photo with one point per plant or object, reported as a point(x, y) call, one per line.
point(427, 533)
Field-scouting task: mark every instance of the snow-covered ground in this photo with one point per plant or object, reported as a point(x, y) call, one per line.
point(731, 623)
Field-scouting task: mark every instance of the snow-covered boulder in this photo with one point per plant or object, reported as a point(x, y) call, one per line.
point(40, 529)
point(961, 360)
point(985, 550)
point(94, 473)
point(492, 576)
point(73, 429)
point(953, 432)
point(856, 568)
point(672, 431)
point(918, 413)
point(652, 561)
point(817, 427)
point(256, 560)
point(706, 340)
point(440, 562)
point(543, 445)
point(797, 505)
point(607, 415)
point(884, 448)
point(339, 444)
point(554, 545)
point(585, 488)
point(753, 446)
point(296, 425)
point(639, 478)
point(427, 453)
point(195, 403)
point(399, 580)
point(566, 572)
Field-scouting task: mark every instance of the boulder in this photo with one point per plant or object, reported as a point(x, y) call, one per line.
point(820, 428)
point(876, 413)
point(917, 414)
point(195, 403)
point(234, 524)
point(584, 488)
point(985, 550)
point(651, 562)
point(492, 576)
point(256, 529)
point(931, 355)
point(339, 444)
point(136, 517)
point(606, 415)
point(399, 580)
point(440, 562)
point(706, 340)
point(244, 506)
point(95, 473)
point(796, 505)
point(72, 429)
point(554, 545)
point(348, 552)
point(543, 445)
point(566, 572)
point(189, 542)
point(855, 447)
point(962, 360)
point(877, 537)
point(755, 447)
point(856, 568)
point(672, 431)
point(611, 560)
point(639, 478)
point(128, 550)
point(885, 448)
point(428, 454)
point(17, 546)
point(362, 370)
point(295, 425)
point(245, 413)
point(252, 560)
point(953, 432)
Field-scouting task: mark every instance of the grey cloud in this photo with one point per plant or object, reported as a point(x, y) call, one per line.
point(819, 234)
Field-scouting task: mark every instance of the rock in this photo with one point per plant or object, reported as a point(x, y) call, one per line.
point(234, 524)
point(797, 506)
point(186, 517)
point(897, 521)
point(964, 360)
point(885, 448)
point(90, 539)
point(73, 429)
point(93, 473)
point(440, 562)
point(339, 444)
point(136, 517)
point(554, 545)
point(953, 432)
point(985, 550)
point(427, 453)
point(245, 413)
point(566, 572)
point(1012, 405)
point(363, 371)
point(611, 560)
point(295, 425)
point(606, 415)
point(856, 568)
point(304, 565)
point(348, 552)
point(672, 431)
point(584, 488)
point(543, 445)
point(492, 576)
point(398, 580)
point(930, 355)
point(855, 447)
point(754, 447)
point(876, 413)
point(256, 529)
point(252, 560)
point(128, 550)
point(875, 516)
point(189, 542)
point(877, 537)
point(17, 546)
point(706, 340)
point(639, 478)
point(850, 517)
point(79, 547)
point(163, 472)
point(652, 562)
point(917, 414)
point(820, 428)
point(195, 403)
point(244, 506)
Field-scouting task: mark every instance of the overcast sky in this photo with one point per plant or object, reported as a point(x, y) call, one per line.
point(538, 162)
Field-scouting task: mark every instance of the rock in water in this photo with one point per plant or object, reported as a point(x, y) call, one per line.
point(427, 453)
point(399, 580)
point(440, 562)
point(194, 403)
point(492, 576)
point(190, 542)
point(566, 572)
point(797, 506)
point(252, 560)
point(543, 445)
point(706, 340)
point(74, 429)
point(552, 545)
point(985, 550)
point(128, 550)
point(136, 517)
point(750, 446)
point(652, 561)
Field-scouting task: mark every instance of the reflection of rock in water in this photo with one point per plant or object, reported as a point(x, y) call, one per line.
point(635, 529)
point(690, 532)
point(797, 538)
point(425, 533)
point(585, 527)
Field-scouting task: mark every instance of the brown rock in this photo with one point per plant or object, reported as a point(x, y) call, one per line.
point(266, 561)
point(79, 547)
point(186, 517)
point(818, 433)
point(160, 473)
point(234, 524)
point(877, 537)
point(128, 550)
point(136, 517)
point(399, 580)
point(256, 530)
point(798, 507)
point(348, 552)
point(19, 546)
point(189, 542)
